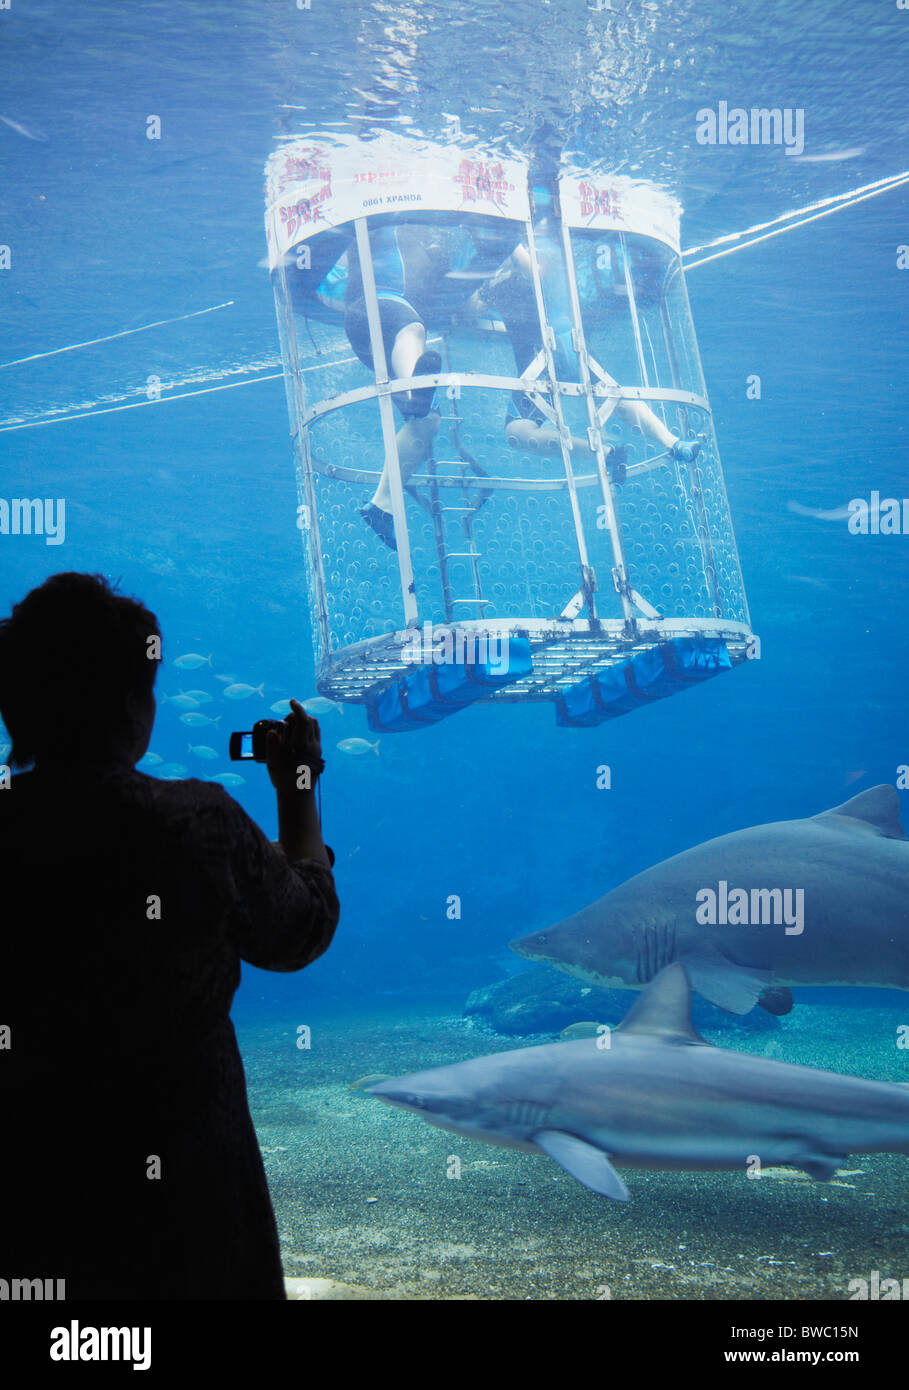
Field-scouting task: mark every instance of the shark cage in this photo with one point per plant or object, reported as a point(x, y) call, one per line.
point(509, 487)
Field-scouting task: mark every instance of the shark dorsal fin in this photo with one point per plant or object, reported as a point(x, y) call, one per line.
point(878, 808)
point(664, 1009)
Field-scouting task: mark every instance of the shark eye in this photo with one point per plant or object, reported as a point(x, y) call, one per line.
point(417, 1101)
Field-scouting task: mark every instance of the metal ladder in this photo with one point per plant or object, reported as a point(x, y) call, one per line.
point(466, 509)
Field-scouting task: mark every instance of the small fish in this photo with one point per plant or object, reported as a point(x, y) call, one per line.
point(201, 750)
point(831, 157)
point(227, 779)
point(201, 697)
point(23, 129)
point(358, 746)
point(818, 513)
point(226, 680)
point(810, 579)
point(317, 704)
point(171, 772)
point(363, 1083)
point(196, 720)
point(192, 661)
point(854, 775)
point(183, 702)
point(581, 1030)
point(243, 692)
point(150, 760)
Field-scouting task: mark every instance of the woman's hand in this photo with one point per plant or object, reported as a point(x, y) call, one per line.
point(292, 746)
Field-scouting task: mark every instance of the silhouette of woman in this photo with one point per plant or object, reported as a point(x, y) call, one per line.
point(129, 1165)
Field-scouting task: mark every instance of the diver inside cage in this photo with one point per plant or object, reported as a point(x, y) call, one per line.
point(422, 272)
point(602, 288)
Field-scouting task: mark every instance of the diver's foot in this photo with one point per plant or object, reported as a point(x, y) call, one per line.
point(381, 522)
point(418, 402)
point(616, 459)
point(686, 450)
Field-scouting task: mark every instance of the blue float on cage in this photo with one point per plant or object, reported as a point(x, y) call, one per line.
point(649, 675)
point(436, 690)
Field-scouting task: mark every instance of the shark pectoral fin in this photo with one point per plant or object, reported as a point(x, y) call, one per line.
point(821, 1167)
point(735, 988)
point(585, 1163)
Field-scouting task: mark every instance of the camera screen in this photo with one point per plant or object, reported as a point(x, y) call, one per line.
point(246, 745)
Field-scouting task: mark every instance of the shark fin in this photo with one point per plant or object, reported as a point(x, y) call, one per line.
point(878, 808)
point(586, 1163)
point(735, 988)
point(821, 1167)
point(664, 1009)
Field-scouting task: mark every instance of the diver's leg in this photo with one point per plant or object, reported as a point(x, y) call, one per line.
point(538, 438)
point(414, 440)
point(525, 425)
point(406, 351)
point(410, 357)
point(638, 413)
point(408, 347)
point(543, 438)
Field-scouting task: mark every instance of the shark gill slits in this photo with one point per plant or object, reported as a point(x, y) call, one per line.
point(528, 1113)
point(656, 951)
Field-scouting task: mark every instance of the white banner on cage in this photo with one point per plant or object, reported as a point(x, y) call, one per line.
point(616, 203)
point(314, 185)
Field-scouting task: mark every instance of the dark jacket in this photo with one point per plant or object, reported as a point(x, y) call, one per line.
point(128, 1161)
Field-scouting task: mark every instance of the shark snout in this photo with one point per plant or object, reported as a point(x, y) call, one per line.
point(574, 947)
point(436, 1096)
point(395, 1091)
point(537, 946)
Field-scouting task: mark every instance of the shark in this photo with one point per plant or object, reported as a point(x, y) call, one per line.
point(818, 901)
point(654, 1095)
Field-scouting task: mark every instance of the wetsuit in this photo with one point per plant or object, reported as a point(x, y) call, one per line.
point(511, 294)
point(395, 309)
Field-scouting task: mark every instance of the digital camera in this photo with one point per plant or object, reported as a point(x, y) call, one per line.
point(253, 744)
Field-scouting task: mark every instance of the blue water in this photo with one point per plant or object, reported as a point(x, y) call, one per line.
point(190, 502)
